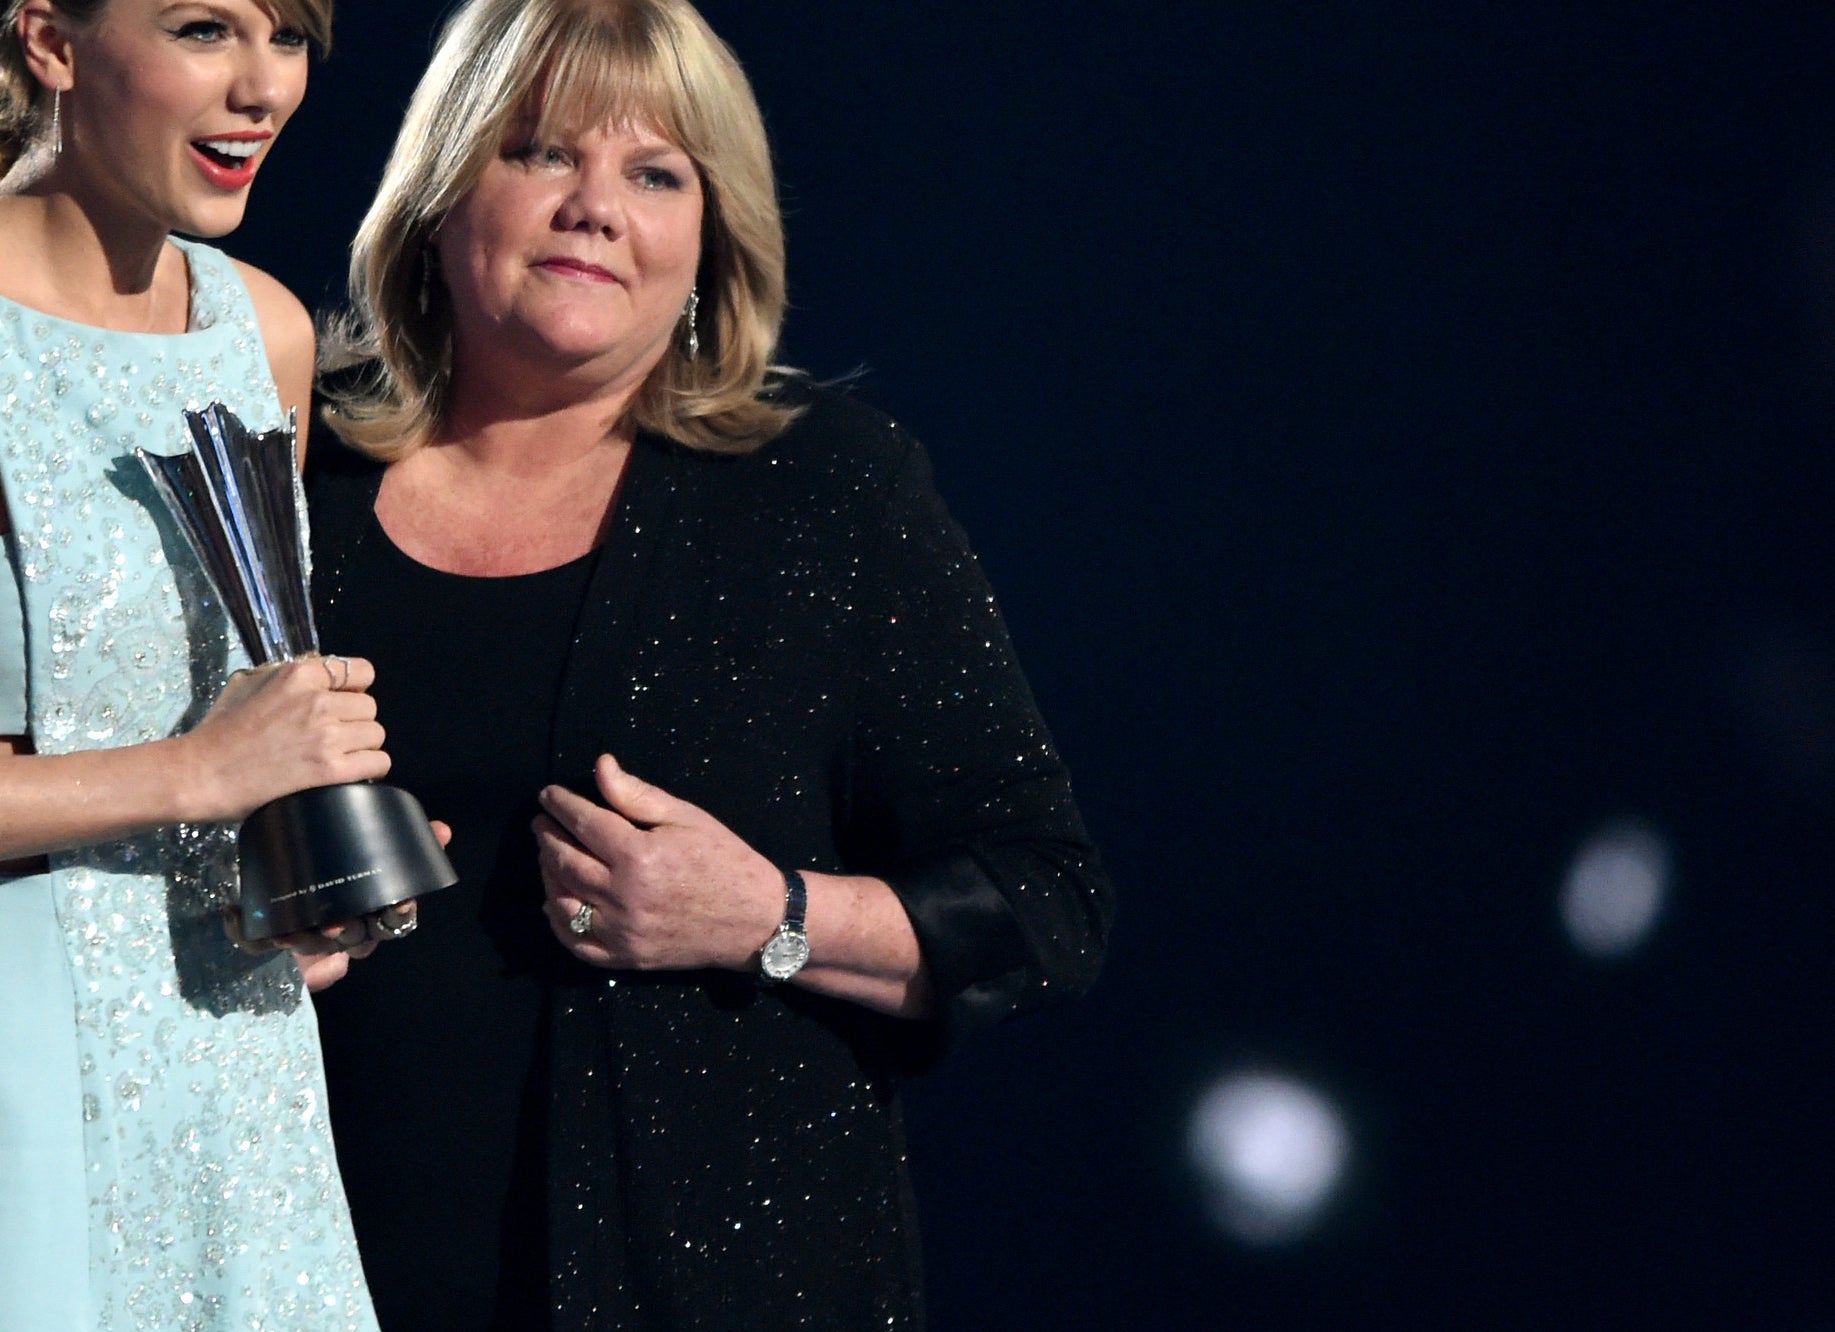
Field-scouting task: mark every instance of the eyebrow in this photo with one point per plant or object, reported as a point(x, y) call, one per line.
point(216, 10)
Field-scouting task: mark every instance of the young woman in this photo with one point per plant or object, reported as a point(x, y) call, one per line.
point(164, 1159)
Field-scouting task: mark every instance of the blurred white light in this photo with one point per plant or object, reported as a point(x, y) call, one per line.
point(1615, 889)
point(1270, 1152)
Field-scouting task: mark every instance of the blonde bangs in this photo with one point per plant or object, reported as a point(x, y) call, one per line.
point(603, 69)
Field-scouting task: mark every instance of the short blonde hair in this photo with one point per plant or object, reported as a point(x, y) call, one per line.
point(20, 94)
point(572, 63)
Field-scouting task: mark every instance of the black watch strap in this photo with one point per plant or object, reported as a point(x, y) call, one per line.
point(796, 899)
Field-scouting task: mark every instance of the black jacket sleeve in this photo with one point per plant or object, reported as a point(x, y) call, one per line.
point(958, 795)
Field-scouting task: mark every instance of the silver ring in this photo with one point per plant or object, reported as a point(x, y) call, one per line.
point(403, 924)
point(336, 683)
point(582, 922)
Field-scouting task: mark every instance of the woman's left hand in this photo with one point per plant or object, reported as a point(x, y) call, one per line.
point(670, 886)
point(324, 955)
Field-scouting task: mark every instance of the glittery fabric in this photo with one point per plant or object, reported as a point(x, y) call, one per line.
point(801, 642)
point(205, 1159)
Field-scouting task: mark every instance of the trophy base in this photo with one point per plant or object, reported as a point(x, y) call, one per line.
point(335, 853)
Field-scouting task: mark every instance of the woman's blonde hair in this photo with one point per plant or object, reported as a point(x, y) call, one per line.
point(570, 63)
point(21, 98)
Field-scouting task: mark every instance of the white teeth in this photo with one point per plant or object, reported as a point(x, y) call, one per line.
point(233, 147)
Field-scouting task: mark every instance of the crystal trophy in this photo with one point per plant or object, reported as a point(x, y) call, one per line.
point(331, 853)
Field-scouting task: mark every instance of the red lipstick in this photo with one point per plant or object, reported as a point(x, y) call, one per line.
point(229, 161)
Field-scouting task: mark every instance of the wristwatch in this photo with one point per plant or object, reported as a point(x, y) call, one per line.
point(786, 951)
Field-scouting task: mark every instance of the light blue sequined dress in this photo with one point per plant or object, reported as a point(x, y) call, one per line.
point(165, 1161)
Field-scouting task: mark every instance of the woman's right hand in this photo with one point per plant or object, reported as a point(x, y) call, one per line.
point(279, 729)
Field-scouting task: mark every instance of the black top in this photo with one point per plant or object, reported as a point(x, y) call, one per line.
point(799, 641)
point(454, 1172)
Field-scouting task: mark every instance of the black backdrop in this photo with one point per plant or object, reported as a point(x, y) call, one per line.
point(1400, 436)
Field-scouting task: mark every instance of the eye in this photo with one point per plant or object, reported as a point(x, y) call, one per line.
point(542, 155)
point(658, 178)
point(291, 39)
point(202, 31)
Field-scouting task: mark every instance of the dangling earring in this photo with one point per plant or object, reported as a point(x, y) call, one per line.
point(57, 122)
point(426, 277)
point(689, 312)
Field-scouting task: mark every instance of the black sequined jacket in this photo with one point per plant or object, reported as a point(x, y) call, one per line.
point(799, 641)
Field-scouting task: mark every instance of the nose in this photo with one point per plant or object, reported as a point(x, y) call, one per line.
point(263, 85)
point(595, 203)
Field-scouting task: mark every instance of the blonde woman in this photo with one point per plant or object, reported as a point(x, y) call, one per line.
point(750, 800)
point(164, 1156)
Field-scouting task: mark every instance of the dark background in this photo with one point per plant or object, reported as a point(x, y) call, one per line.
point(1400, 435)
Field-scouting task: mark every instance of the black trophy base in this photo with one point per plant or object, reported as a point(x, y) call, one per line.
point(335, 853)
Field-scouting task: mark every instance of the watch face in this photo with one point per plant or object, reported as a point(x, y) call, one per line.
point(784, 955)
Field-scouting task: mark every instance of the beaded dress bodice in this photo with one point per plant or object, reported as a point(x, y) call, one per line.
point(212, 1187)
point(125, 642)
point(120, 664)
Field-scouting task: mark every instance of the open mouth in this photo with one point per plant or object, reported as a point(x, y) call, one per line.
point(230, 154)
point(228, 162)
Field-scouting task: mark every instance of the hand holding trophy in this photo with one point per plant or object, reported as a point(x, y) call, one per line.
point(330, 853)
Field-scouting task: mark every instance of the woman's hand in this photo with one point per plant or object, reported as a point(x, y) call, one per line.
point(324, 955)
point(324, 958)
point(671, 887)
point(280, 729)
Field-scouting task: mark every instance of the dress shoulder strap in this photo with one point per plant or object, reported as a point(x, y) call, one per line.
point(218, 294)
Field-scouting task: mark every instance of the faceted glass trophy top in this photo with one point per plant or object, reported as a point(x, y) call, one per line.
point(235, 495)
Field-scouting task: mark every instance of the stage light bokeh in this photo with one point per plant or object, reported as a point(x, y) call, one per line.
point(1615, 889)
point(1270, 1153)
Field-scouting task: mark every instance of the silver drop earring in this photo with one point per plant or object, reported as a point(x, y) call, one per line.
point(57, 122)
point(689, 312)
point(426, 278)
